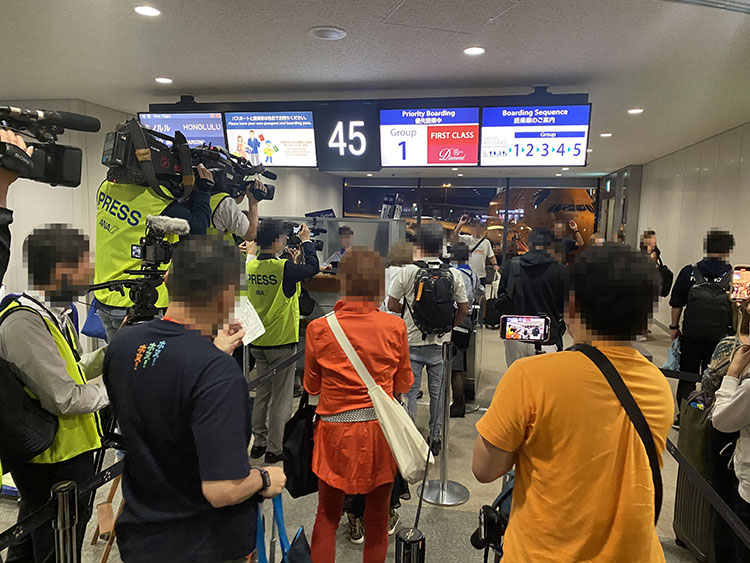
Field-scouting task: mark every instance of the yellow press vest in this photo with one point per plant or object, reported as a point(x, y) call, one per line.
point(121, 211)
point(76, 433)
point(212, 229)
point(280, 314)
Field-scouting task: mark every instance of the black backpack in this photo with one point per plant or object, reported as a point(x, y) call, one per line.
point(708, 314)
point(433, 310)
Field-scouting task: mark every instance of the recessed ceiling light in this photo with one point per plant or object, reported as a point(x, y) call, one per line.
point(565, 169)
point(163, 80)
point(369, 174)
point(558, 174)
point(149, 11)
point(327, 32)
point(605, 134)
point(473, 51)
point(635, 111)
point(454, 169)
point(589, 150)
point(459, 174)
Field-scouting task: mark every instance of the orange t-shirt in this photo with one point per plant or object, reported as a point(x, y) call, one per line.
point(583, 489)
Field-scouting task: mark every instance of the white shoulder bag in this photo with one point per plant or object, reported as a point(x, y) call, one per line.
point(408, 446)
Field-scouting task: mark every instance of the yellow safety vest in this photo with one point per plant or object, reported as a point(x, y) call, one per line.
point(76, 433)
point(121, 211)
point(212, 229)
point(280, 314)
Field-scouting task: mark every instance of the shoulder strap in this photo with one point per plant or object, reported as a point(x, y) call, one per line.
point(481, 240)
point(634, 413)
point(351, 354)
point(698, 275)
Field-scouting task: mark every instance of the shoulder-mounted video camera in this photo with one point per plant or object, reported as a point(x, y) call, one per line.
point(291, 230)
point(49, 163)
point(135, 154)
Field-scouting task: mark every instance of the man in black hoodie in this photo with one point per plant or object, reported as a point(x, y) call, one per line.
point(535, 284)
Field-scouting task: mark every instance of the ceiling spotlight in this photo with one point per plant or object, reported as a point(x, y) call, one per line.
point(589, 150)
point(473, 51)
point(454, 169)
point(635, 111)
point(369, 174)
point(558, 174)
point(605, 134)
point(459, 174)
point(163, 80)
point(565, 169)
point(327, 32)
point(149, 11)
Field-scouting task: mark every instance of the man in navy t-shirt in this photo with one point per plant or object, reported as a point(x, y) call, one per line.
point(181, 403)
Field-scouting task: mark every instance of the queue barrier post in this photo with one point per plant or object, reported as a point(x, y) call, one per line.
point(443, 492)
point(64, 523)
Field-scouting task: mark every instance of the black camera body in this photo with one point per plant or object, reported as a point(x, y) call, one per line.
point(137, 155)
point(49, 163)
point(294, 241)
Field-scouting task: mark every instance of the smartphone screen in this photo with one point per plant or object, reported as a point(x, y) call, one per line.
point(741, 283)
point(524, 328)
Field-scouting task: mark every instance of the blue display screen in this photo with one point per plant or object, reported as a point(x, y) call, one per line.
point(198, 128)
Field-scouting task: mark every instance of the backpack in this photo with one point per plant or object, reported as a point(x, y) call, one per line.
point(27, 428)
point(433, 310)
point(708, 314)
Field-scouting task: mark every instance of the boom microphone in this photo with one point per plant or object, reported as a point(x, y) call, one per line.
point(268, 174)
point(62, 119)
point(168, 225)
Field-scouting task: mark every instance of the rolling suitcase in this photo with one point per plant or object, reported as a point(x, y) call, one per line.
point(491, 314)
point(692, 520)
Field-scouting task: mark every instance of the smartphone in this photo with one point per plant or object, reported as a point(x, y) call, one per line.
point(741, 283)
point(524, 328)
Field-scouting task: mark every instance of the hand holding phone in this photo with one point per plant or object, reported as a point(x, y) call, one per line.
point(741, 283)
point(525, 328)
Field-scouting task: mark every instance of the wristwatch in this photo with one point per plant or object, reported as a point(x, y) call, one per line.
point(674, 327)
point(265, 477)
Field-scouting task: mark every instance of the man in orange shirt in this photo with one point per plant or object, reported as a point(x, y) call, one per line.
point(583, 487)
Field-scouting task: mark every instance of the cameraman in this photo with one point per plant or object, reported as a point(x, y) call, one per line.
point(181, 402)
point(121, 222)
point(227, 218)
point(273, 288)
point(583, 484)
point(6, 215)
point(38, 337)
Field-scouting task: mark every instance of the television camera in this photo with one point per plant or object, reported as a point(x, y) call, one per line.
point(291, 230)
point(49, 163)
point(154, 251)
point(135, 154)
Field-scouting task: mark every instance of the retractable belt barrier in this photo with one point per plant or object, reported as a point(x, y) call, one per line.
point(681, 375)
point(49, 511)
point(734, 522)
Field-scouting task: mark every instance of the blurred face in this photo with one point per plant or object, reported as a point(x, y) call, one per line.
point(346, 240)
point(71, 280)
point(280, 243)
point(649, 242)
point(559, 229)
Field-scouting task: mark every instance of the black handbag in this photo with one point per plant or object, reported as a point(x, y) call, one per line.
point(298, 450)
point(27, 429)
point(306, 303)
point(667, 277)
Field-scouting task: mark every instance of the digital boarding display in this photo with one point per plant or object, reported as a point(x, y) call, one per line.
point(285, 138)
point(535, 136)
point(429, 137)
point(198, 128)
point(347, 136)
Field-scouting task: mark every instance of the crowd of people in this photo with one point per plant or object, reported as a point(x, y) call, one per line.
point(583, 491)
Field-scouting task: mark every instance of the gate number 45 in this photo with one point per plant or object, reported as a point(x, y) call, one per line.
point(355, 137)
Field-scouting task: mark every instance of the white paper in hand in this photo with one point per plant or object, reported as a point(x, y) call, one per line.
point(250, 321)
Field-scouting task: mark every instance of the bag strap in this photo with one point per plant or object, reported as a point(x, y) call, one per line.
point(481, 240)
point(634, 413)
point(698, 275)
point(278, 515)
point(351, 354)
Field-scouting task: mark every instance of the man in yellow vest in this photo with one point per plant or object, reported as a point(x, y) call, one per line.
point(38, 337)
point(273, 287)
point(121, 222)
point(227, 219)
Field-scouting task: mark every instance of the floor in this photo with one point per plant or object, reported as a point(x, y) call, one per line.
point(447, 529)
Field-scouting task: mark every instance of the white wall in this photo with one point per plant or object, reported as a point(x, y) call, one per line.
point(36, 204)
point(301, 190)
point(702, 186)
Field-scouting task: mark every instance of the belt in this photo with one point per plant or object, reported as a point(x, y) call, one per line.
point(357, 415)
